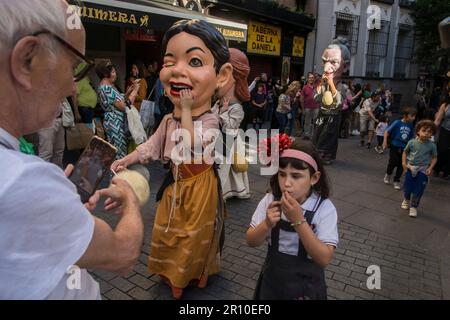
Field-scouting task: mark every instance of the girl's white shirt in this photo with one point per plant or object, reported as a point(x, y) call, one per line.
point(324, 223)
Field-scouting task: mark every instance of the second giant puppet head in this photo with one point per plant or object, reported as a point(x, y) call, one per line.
point(237, 88)
point(195, 57)
point(336, 59)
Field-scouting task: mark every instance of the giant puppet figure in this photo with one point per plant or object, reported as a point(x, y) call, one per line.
point(234, 176)
point(330, 94)
point(188, 227)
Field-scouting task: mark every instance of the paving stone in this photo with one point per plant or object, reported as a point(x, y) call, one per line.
point(357, 292)
point(141, 281)
point(141, 294)
point(116, 294)
point(122, 284)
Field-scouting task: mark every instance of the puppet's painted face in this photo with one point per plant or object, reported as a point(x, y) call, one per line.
point(189, 64)
point(333, 64)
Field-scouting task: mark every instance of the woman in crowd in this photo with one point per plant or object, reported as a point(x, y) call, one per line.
point(114, 103)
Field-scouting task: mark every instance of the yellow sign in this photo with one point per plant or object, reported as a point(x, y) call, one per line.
point(263, 39)
point(298, 47)
point(232, 34)
point(106, 14)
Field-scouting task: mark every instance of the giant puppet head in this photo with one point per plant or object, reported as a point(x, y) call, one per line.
point(237, 88)
point(336, 59)
point(195, 57)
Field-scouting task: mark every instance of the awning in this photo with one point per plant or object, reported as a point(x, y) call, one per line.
point(153, 15)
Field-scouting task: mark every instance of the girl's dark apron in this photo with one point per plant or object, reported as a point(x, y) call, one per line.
point(286, 277)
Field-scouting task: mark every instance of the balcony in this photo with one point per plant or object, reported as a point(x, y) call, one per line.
point(268, 9)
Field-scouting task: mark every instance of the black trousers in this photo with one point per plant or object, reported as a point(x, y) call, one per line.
point(395, 161)
point(443, 147)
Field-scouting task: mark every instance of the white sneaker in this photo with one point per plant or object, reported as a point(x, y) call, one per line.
point(405, 204)
point(413, 212)
point(387, 178)
point(397, 186)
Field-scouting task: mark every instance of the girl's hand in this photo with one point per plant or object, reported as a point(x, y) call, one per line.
point(291, 208)
point(186, 99)
point(273, 214)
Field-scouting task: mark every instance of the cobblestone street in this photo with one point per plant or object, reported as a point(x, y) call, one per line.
point(413, 254)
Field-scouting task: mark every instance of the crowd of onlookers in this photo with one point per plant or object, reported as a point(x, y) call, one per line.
point(287, 106)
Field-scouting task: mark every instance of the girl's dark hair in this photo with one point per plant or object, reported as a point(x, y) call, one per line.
point(103, 69)
point(212, 38)
point(322, 187)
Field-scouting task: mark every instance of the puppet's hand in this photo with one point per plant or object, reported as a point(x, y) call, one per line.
point(225, 102)
point(186, 99)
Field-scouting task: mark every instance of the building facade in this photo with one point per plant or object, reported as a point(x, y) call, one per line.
point(381, 39)
point(276, 34)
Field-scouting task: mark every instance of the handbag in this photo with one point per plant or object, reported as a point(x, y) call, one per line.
point(79, 136)
point(239, 163)
point(147, 112)
point(135, 125)
point(68, 119)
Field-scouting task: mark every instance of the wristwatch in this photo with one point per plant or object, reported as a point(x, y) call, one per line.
point(298, 223)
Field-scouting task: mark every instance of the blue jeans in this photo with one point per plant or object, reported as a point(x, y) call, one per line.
point(414, 187)
point(282, 121)
point(291, 122)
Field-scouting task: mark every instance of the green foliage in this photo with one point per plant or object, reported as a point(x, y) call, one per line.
point(427, 14)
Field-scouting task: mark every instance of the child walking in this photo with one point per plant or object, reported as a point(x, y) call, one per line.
point(399, 132)
point(380, 129)
point(419, 159)
point(299, 223)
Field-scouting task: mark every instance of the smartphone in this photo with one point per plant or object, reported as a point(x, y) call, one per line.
point(92, 166)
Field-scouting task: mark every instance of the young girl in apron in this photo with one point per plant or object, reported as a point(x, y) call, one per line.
point(300, 226)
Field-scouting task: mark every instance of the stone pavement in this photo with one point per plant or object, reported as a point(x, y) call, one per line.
point(413, 254)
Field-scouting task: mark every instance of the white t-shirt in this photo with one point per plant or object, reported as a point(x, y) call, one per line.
point(324, 223)
point(381, 128)
point(44, 228)
point(367, 105)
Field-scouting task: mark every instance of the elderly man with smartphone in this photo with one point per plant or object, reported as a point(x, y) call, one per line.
point(45, 229)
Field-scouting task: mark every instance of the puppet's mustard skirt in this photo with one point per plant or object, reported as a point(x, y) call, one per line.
point(187, 246)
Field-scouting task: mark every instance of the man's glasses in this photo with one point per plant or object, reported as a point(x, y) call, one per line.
point(85, 64)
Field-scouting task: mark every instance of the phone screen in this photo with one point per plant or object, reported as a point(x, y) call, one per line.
point(92, 166)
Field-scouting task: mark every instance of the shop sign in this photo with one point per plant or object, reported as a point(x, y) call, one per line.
point(263, 39)
point(298, 47)
point(232, 33)
point(140, 35)
point(125, 18)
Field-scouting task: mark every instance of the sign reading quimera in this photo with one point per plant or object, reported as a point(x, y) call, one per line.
point(263, 39)
point(113, 16)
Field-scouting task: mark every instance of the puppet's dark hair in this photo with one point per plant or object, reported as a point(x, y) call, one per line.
point(212, 38)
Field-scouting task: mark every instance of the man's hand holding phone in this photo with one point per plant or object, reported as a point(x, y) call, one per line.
point(119, 195)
